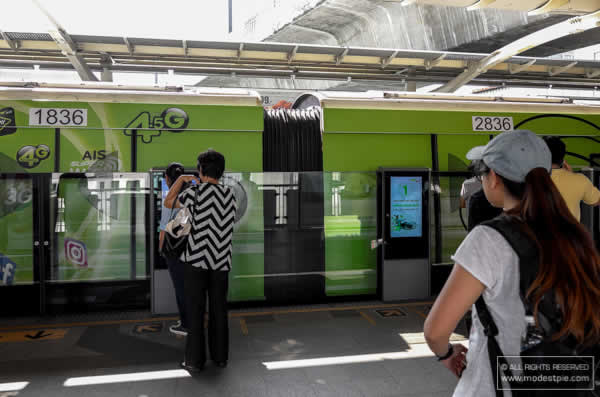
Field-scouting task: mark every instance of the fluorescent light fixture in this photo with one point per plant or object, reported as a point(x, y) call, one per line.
point(15, 386)
point(122, 378)
point(417, 351)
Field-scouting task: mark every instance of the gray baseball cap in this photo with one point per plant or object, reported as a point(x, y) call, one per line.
point(514, 154)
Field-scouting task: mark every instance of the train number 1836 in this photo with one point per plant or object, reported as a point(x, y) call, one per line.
point(58, 117)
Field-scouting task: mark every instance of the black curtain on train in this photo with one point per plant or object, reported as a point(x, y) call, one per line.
point(294, 236)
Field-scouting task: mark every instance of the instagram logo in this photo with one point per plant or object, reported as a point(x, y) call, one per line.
point(76, 252)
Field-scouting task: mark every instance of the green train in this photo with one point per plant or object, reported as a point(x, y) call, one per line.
point(81, 183)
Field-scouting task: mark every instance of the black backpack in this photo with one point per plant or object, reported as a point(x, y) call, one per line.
point(538, 342)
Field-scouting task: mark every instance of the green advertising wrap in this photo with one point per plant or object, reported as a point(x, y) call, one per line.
point(98, 224)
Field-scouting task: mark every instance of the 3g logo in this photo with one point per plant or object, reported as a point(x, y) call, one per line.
point(31, 156)
point(149, 126)
point(76, 252)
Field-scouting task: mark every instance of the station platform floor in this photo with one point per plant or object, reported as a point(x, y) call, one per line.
point(352, 349)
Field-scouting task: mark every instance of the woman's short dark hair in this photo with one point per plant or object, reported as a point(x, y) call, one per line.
point(174, 171)
point(211, 163)
point(557, 148)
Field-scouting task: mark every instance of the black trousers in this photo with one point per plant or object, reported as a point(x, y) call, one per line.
point(200, 284)
point(177, 272)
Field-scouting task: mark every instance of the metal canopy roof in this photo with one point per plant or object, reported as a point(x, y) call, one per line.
point(534, 7)
point(24, 50)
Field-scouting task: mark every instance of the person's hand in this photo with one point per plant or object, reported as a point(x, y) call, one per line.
point(188, 178)
point(457, 362)
point(567, 167)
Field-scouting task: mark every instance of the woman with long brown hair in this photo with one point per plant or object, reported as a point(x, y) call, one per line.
point(515, 172)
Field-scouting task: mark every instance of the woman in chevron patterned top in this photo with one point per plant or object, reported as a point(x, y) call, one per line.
point(207, 258)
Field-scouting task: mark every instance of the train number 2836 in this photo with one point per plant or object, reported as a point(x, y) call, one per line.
point(492, 123)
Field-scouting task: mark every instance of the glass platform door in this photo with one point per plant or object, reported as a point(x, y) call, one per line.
point(22, 243)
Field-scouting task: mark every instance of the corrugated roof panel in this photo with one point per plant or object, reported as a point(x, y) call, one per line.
point(155, 42)
point(29, 36)
point(274, 47)
point(215, 45)
point(97, 39)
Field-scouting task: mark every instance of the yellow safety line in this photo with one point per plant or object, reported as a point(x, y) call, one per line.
point(89, 323)
point(233, 315)
point(244, 326)
point(420, 313)
point(327, 309)
point(367, 317)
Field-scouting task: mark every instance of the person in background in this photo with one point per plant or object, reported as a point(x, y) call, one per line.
point(468, 188)
point(574, 188)
point(478, 207)
point(515, 171)
point(480, 210)
point(175, 265)
point(207, 259)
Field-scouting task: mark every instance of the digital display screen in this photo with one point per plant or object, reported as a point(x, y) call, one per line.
point(406, 206)
point(165, 189)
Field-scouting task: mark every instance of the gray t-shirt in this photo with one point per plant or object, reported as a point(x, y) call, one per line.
point(489, 258)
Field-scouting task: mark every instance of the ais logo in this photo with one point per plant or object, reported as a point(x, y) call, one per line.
point(7, 121)
point(94, 155)
point(76, 252)
point(32, 156)
point(150, 125)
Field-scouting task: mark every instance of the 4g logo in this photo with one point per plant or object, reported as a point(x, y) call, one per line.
point(31, 156)
point(151, 125)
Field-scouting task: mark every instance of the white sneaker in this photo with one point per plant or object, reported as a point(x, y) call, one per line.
point(177, 329)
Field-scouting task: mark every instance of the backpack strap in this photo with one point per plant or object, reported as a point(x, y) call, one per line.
point(192, 212)
point(495, 353)
point(528, 264)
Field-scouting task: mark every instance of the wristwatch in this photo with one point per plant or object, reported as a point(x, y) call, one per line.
point(447, 355)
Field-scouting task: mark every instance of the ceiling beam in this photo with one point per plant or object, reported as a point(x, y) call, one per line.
point(68, 46)
point(562, 29)
point(514, 69)
point(130, 48)
point(292, 54)
point(500, 78)
point(548, 6)
point(591, 73)
point(185, 48)
point(11, 43)
point(388, 60)
point(480, 4)
point(431, 63)
point(340, 58)
point(561, 69)
point(69, 50)
point(240, 50)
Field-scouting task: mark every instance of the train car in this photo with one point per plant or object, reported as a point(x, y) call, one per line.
point(75, 188)
point(365, 131)
point(80, 174)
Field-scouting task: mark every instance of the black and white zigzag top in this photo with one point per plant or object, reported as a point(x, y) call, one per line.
point(209, 243)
